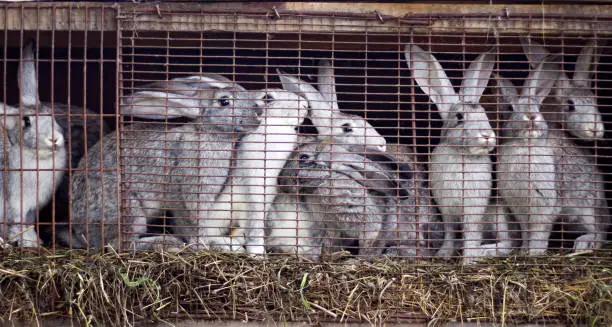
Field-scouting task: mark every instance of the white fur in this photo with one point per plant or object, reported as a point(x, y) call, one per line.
point(293, 224)
point(325, 113)
point(251, 188)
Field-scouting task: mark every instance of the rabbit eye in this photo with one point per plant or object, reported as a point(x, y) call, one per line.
point(346, 128)
point(571, 106)
point(267, 98)
point(26, 122)
point(459, 118)
point(225, 101)
point(304, 157)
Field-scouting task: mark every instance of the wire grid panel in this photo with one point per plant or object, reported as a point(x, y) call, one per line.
point(315, 135)
point(54, 94)
point(415, 144)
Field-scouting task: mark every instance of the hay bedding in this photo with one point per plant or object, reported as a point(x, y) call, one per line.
point(120, 289)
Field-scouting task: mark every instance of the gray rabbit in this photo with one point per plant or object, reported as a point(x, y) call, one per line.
point(34, 159)
point(83, 128)
point(178, 168)
point(526, 160)
point(574, 110)
point(343, 194)
point(460, 168)
point(574, 105)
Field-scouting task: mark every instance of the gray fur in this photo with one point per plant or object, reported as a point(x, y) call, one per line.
point(501, 230)
point(180, 169)
point(83, 126)
point(35, 157)
point(574, 105)
point(526, 162)
point(574, 110)
point(581, 191)
point(460, 168)
point(340, 195)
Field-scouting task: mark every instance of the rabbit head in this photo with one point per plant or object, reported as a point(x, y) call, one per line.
point(213, 102)
point(32, 130)
point(574, 97)
point(326, 115)
point(466, 125)
point(314, 163)
point(526, 121)
point(281, 106)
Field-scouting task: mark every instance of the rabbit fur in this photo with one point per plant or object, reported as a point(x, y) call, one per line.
point(574, 110)
point(180, 169)
point(326, 115)
point(83, 127)
point(251, 187)
point(460, 168)
point(574, 105)
point(526, 161)
point(34, 158)
point(337, 188)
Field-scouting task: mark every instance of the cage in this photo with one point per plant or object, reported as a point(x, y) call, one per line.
point(376, 162)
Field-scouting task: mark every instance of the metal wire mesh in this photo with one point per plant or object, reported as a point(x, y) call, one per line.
point(279, 132)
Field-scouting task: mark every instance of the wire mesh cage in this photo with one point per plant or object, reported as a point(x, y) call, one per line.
point(326, 137)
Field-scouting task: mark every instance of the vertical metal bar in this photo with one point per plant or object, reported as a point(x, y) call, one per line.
point(119, 168)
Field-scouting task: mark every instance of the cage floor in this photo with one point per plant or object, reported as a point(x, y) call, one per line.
point(159, 286)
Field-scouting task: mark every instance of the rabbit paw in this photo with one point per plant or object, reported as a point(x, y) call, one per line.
point(586, 242)
point(29, 239)
point(494, 250)
point(446, 253)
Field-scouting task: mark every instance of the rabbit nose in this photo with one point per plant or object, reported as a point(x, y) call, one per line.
point(487, 135)
point(54, 142)
point(382, 148)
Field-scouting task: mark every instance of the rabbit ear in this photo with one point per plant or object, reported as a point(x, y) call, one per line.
point(327, 83)
point(9, 116)
point(389, 162)
point(375, 178)
point(162, 105)
point(28, 85)
point(534, 51)
point(432, 79)
point(542, 79)
point(585, 65)
point(477, 77)
point(507, 90)
point(172, 86)
point(298, 86)
point(210, 81)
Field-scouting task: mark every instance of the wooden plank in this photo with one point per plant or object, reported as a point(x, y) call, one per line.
point(309, 17)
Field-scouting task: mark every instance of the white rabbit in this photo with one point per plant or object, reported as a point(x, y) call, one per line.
point(526, 160)
point(252, 186)
point(33, 145)
point(325, 114)
point(180, 169)
point(460, 168)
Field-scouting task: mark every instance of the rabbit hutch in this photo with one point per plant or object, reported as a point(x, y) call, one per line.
point(316, 162)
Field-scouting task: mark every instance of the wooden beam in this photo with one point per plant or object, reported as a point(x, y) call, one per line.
point(308, 17)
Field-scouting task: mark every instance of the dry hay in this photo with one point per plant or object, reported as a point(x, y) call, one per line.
point(118, 289)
